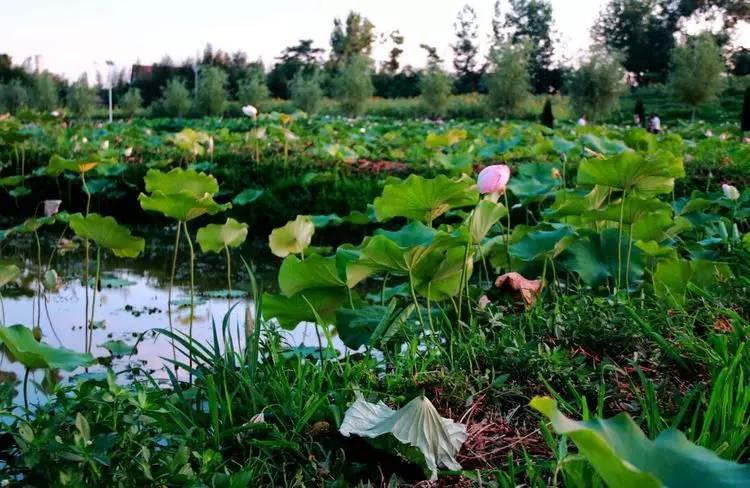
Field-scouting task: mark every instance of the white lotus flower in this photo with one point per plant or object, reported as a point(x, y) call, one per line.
point(723, 137)
point(709, 133)
point(55, 113)
point(84, 140)
point(210, 148)
point(362, 130)
point(105, 145)
point(250, 111)
point(51, 207)
point(730, 192)
point(128, 152)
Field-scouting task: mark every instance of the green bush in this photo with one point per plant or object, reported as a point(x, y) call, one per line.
point(596, 86)
point(697, 69)
point(81, 98)
point(435, 88)
point(306, 92)
point(45, 92)
point(131, 102)
point(508, 84)
point(253, 89)
point(212, 91)
point(13, 96)
point(175, 100)
point(353, 86)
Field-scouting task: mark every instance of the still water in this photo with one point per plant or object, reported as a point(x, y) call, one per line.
point(130, 304)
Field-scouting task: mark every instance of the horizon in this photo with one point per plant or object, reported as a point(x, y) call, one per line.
point(62, 34)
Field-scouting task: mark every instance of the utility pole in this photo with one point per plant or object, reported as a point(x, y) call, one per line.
point(110, 83)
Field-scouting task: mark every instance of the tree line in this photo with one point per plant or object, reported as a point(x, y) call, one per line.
point(637, 42)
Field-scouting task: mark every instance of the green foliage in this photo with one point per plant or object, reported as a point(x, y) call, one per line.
point(45, 92)
point(745, 120)
point(81, 98)
point(351, 40)
point(306, 92)
point(131, 102)
point(175, 100)
point(13, 96)
point(353, 86)
point(547, 118)
point(252, 88)
point(435, 89)
point(508, 81)
point(212, 91)
point(24, 347)
point(530, 21)
point(596, 86)
point(697, 69)
point(107, 234)
point(216, 238)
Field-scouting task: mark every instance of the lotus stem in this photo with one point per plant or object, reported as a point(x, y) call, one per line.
point(26, 389)
point(86, 267)
point(38, 280)
point(171, 285)
point(507, 238)
point(619, 242)
point(229, 271)
point(414, 298)
point(192, 294)
point(90, 329)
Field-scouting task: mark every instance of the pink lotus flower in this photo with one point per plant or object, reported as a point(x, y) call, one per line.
point(493, 179)
point(51, 207)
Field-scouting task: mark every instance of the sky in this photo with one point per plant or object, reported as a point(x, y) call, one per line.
point(75, 36)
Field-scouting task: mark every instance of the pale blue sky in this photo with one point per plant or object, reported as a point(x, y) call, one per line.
point(71, 35)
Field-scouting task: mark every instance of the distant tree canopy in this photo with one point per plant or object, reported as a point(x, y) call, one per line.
point(466, 51)
point(596, 86)
point(302, 57)
point(697, 69)
point(351, 38)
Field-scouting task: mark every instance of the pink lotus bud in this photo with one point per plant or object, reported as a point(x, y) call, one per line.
point(493, 179)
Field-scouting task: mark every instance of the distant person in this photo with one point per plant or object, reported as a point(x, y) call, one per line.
point(637, 120)
point(582, 121)
point(654, 124)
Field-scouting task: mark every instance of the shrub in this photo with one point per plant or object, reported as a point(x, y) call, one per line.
point(508, 84)
point(745, 122)
point(175, 99)
point(13, 96)
point(547, 118)
point(435, 88)
point(212, 91)
point(596, 86)
point(81, 98)
point(306, 92)
point(353, 86)
point(131, 102)
point(45, 92)
point(253, 89)
point(697, 69)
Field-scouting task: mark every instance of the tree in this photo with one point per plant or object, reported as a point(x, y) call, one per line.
point(131, 102)
point(547, 118)
point(530, 21)
point(435, 85)
point(14, 96)
point(642, 30)
point(391, 66)
point(301, 57)
point(465, 51)
point(252, 88)
point(306, 92)
point(175, 98)
point(81, 97)
point(212, 91)
point(596, 86)
point(745, 122)
point(353, 86)
point(508, 81)
point(697, 69)
point(352, 39)
point(45, 92)
point(640, 112)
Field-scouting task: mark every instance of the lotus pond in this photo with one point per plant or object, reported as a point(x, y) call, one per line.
point(284, 301)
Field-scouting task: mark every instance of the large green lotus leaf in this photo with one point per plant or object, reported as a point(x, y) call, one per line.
point(290, 311)
point(292, 238)
point(645, 175)
point(417, 424)
point(625, 458)
point(401, 251)
point(602, 145)
point(641, 140)
point(247, 196)
point(649, 217)
point(561, 145)
point(424, 199)
point(671, 278)
point(494, 149)
point(58, 165)
point(20, 342)
point(485, 215)
point(108, 234)
point(568, 203)
point(445, 139)
point(181, 181)
point(534, 182)
point(8, 273)
point(11, 181)
point(374, 325)
point(182, 206)
point(595, 259)
point(438, 277)
point(313, 272)
point(215, 237)
point(540, 244)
